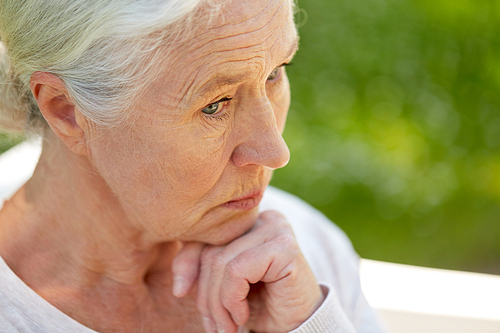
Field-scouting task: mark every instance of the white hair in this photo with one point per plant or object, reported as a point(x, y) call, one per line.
point(102, 50)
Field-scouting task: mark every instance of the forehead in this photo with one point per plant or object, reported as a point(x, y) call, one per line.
point(252, 19)
point(240, 11)
point(245, 39)
point(264, 25)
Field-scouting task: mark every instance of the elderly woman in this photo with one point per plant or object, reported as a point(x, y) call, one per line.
point(161, 123)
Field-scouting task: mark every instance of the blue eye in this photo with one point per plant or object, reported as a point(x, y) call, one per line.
point(215, 107)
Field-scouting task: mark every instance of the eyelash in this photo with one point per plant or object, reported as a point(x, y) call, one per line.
point(219, 115)
point(278, 75)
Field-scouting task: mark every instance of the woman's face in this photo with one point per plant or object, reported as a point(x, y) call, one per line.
point(206, 135)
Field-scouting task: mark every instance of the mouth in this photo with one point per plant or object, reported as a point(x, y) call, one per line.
point(247, 202)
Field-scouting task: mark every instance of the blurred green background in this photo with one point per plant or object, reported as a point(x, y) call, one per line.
point(394, 128)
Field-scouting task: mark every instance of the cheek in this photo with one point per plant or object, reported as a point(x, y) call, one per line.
point(155, 166)
point(184, 167)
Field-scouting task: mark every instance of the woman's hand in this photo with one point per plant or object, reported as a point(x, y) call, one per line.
point(260, 280)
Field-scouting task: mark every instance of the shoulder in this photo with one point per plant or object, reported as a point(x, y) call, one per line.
point(23, 310)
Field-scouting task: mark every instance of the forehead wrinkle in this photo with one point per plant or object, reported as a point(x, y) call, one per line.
point(220, 80)
point(238, 41)
point(228, 80)
point(236, 31)
point(217, 81)
point(216, 55)
point(223, 80)
point(229, 10)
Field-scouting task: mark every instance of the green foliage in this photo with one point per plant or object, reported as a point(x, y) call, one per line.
point(9, 140)
point(394, 128)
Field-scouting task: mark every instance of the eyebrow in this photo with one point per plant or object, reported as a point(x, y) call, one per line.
point(219, 81)
point(222, 80)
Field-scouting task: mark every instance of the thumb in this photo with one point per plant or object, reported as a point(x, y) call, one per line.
point(186, 267)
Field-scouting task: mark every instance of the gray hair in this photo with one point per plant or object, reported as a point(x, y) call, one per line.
point(103, 51)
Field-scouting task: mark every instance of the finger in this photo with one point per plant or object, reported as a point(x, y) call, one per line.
point(272, 217)
point(236, 310)
point(234, 293)
point(204, 287)
point(219, 313)
point(210, 282)
point(291, 290)
point(185, 268)
point(269, 225)
point(213, 268)
point(270, 262)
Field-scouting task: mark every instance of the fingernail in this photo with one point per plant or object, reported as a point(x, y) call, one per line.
point(208, 324)
point(220, 329)
point(179, 286)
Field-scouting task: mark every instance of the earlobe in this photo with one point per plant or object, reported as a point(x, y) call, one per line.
point(59, 110)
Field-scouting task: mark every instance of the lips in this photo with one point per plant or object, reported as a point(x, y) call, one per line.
point(247, 202)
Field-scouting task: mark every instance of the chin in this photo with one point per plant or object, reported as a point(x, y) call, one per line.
point(230, 228)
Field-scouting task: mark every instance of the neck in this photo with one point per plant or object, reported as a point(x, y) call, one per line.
point(65, 227)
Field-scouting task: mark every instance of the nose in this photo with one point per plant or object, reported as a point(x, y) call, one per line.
point(261, 142)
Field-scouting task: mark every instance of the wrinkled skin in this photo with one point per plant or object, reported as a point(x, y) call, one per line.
point(183, 164)
point(168, 204)
point(260, 280)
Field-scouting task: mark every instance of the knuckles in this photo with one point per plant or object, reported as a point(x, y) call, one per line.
point(234, 269)
point(272, 241)
point(216, 258)
point(286, 241)
point(231, 267)
point(273, 221)
point(272, 216)
point(208, 253)
point(220, 260)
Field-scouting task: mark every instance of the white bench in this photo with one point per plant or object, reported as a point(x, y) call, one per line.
point(413, 299)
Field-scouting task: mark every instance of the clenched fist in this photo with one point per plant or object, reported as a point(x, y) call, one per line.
point(260, 280)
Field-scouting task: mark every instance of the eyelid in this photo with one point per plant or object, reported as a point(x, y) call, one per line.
point(278, 72)
point(227, 99)
point(222, 100)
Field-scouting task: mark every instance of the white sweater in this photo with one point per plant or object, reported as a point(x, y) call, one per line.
point(325, 247)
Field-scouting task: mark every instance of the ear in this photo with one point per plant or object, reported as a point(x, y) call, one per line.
point(59, 111)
